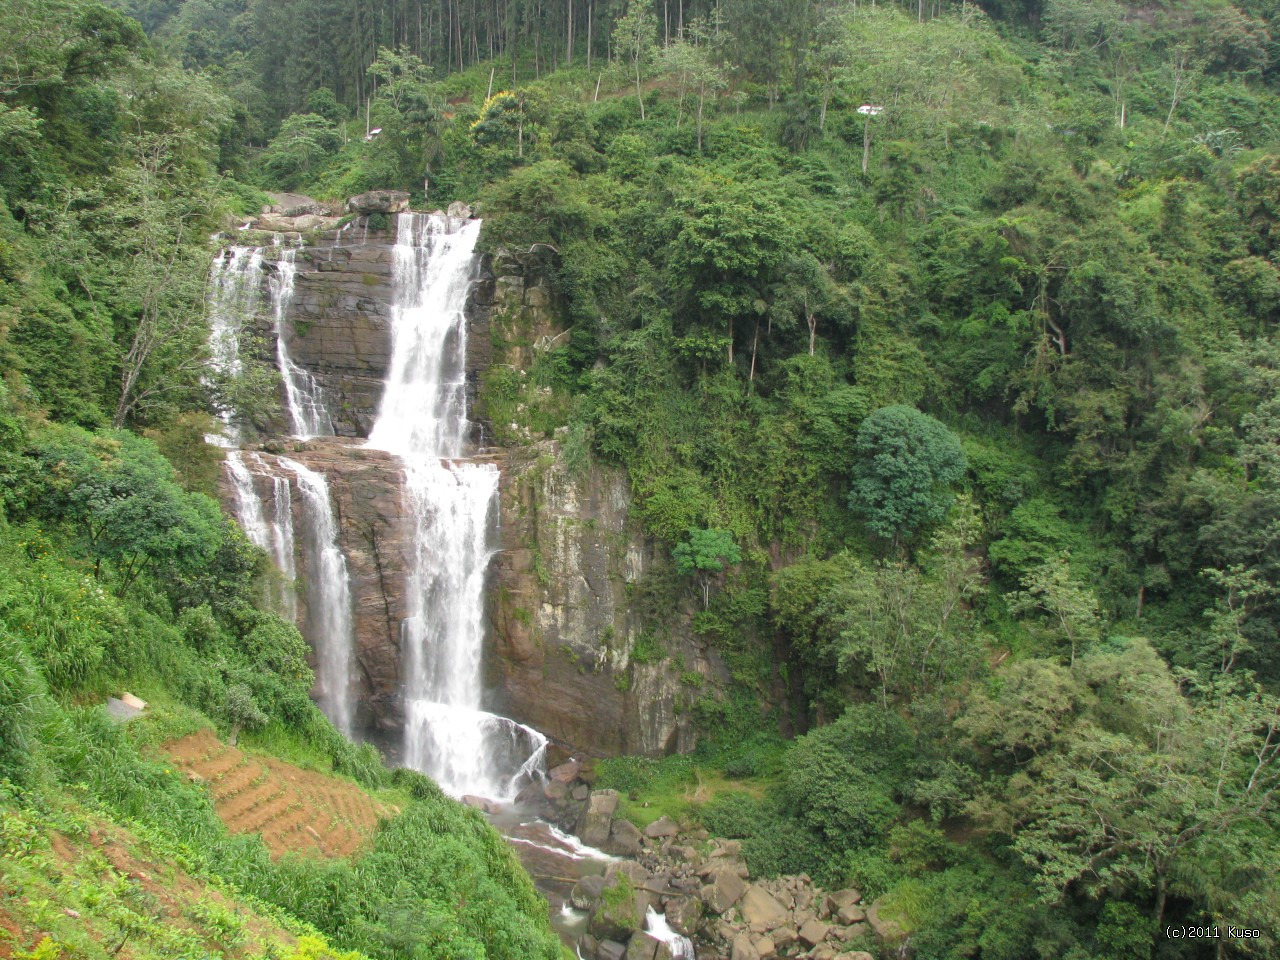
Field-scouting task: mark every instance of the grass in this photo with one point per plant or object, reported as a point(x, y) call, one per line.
point(677, 787)
point(78, 884)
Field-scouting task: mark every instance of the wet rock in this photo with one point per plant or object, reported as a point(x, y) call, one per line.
point(586, 892)
point(611, 950)
point(566, 772)
point(684, 914)
point(482, 803)
point(618, 913)
point(597, 817)
point(644, 946)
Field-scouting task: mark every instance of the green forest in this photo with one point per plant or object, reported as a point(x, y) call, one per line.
point(938, 342)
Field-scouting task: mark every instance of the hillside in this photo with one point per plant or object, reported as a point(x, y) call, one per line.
point(880, 409)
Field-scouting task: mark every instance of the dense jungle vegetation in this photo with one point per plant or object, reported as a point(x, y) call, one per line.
point(938, 342)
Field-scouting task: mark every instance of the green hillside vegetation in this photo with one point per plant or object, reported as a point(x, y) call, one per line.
point(958, 415)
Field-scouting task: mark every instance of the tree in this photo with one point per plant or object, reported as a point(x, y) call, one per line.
point(304, 142)
point(119, 494)
point(693, 59)
point(635, 39)
point(1121, 783)
point(243, 712)
point(726, 252)
point(705, 554)
point(1070, 607)
point(906, 465)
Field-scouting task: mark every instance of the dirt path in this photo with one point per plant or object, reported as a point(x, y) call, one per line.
point(295, 810)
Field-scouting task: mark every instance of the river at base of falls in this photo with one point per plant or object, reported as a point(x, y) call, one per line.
point(555, 860)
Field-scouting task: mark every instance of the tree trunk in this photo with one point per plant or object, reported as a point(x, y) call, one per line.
point(755, 340)
point(866, 143)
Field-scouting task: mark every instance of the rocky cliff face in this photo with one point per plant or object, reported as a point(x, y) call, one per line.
point(573, 653)
point(570, 654)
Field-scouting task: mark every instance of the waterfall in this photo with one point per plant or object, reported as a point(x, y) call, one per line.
point(275, 536)
point(305, 398)
point(328, 599)
point(235, 292)
point(422, 419)
point(235, 297)
point(656, 925)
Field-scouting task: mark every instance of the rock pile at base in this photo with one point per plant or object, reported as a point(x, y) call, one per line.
point(705, 889)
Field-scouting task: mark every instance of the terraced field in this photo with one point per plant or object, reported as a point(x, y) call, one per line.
point(295, 810)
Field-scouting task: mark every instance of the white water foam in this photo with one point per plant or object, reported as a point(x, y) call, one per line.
point(422, 419)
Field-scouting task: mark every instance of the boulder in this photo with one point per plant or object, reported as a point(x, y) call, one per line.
point(850, 933)
point(858, 955)
point(765, 948)
point(851, 913)
point(645, 946)
point(684, 914)
point(823, 951)
point(843, 898)
point(566, 772)
point(618, 913)
point(460, 209)
point(634, 872)
point(610, 950)
point(481, 803)
point(743, 948)
point(783, 937)
point(593, 827)
point(761, 911)
point(625, 839)
point(725, 889)
point(813, 933)
point(662, 827)
point(586, 892)
point(379, 201)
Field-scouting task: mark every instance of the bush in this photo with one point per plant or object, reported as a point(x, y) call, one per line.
point(842, 779)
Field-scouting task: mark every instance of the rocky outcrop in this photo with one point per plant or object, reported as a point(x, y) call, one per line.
point(706, 892)
point(338, 323)
point(379, 201)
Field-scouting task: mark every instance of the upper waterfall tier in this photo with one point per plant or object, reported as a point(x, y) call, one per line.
point(424, 407)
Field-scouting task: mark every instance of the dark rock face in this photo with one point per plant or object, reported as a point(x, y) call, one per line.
point(564, 628)
point(338, 324)
point(564, 624)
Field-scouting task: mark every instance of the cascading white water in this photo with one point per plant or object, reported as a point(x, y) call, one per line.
point(235, 296)
point(328, 599)
point(656, 925)
point(275, 535)
point(248, 505)
point(305, 398)
point(235, 293)
point(423, 420)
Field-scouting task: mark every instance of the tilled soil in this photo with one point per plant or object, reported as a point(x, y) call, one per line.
point(295, 810)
